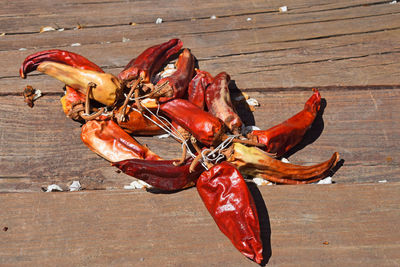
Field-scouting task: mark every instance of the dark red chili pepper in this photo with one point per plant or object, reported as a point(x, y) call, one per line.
point(227, 198)
point(61, 56)
point(175, 86)
point(197, 88)
point(282, 137)
point(202, 125)
point(219, 102)
point(150, 61)
point(162, 174)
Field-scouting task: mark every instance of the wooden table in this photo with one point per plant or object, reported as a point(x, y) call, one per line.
point(350, 50)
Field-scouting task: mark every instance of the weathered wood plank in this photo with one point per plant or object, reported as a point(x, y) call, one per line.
point(22, 18)
point(41, 146)
point(132, 228)
point(333, 47)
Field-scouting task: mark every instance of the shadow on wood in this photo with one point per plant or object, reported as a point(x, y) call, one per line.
point(265, 226)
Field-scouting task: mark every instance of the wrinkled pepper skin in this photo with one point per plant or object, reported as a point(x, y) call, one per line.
point(107, 90)
point(162, 174)
point(227, 198)
point(176, 85)
point(71, 96)
point(255, 162)
point(150, 61)
point(108, 140)
point(197, 88)
point(219, 102)
point(202, 125)
point(282, 137)
point(65, 57)
point(137, 124)
point(60, 56)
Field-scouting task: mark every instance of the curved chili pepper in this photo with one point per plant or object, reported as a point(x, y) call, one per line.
point(219, 102)
point(109, 141)
point(31, 62)
point(149, 61)
point(282, 137)
point(137, 124)
point(175, 86)
point(162, 174)
point(255, 162)
point(202, 125)
point(107, 90)
point(197, 88)
point(227, 198)
point(72, 96)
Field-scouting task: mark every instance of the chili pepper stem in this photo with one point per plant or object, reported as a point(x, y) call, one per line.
point(195, 162)
point(125, 104)
point(90, 86)
point(86, 115)
point(243, 141)
point(92, 116)
point(194, 143)
point(157, 89)
point(183, 157)
point(137, 101)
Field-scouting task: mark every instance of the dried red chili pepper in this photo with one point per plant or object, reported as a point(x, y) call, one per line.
point(227, 198)
point(150, 61)
point(162, 174)
point(219, 102)
point(72, 96)
point(253, 161)
point(175, 86)
point(70, 102)
point(107, 139)
point(197, 88)
point(136, 123)
point(282, 137)
point(61, 56)
point(106, 87)
point(202, 125)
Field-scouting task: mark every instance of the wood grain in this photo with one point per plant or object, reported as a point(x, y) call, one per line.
point(41, 146)
point(348, 49)
point(311, 225)
point(350, 44)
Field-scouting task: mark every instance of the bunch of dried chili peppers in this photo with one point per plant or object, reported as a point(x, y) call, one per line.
point(195, 108)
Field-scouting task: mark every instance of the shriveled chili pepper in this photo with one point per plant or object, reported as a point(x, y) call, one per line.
point(227, 198)
point(107, 89)
point(61, 56)
point(255, 162)
point(70, 102)
point(150, 61)
point(72, 97)
point(176, 85)
point(137, 123)
point(162, 174)
point(202, 125)
point(197, 88)
point(282, 137)
point(219, 102)
point(108, 140)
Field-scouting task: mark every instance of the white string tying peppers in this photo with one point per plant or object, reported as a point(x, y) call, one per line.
point(208, 155)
